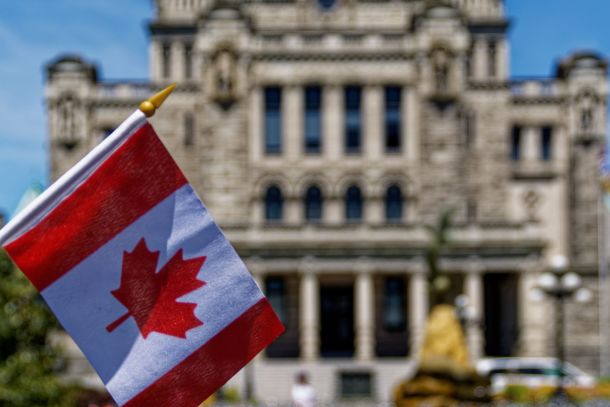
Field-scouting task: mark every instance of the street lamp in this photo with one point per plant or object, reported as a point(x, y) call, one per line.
point(560, 284)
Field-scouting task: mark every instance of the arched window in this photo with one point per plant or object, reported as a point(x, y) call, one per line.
point(393, 204)
point(353, 204)
point(313, 204)
point(273, 203)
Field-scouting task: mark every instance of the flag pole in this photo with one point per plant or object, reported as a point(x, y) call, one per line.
point(150, 105)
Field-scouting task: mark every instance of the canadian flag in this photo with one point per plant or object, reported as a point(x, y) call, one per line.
point(137, 272)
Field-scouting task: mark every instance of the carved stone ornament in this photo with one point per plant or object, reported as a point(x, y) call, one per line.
point(224, 76)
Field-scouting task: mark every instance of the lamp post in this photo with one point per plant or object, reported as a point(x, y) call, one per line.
point(560, 284)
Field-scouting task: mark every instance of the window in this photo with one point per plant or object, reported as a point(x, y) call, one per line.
point(273, 203)
point(392, 118)
point(313, 204)
point(546, 143)
point(353, 204)
point(276, 294)
point(352, 119)
point(326, 4)
point(107, 131)
point(166, 55)
point(393, 204)
point(188, 61)
point(394, 304)
point(313, 119)
point(491, 58)
point(471, 210)
point(515, 144)
point(273, 119)
point(189, 130)
point(355, 384)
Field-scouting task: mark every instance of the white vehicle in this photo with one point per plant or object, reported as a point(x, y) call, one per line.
point(531, 372)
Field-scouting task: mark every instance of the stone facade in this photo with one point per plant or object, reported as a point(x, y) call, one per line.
point(516, 158)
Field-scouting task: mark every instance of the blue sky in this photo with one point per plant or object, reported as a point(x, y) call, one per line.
point(112, 33)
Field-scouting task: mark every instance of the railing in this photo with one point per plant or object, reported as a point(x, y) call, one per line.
point(134, 90)
point(480, 8)
point(534, 88)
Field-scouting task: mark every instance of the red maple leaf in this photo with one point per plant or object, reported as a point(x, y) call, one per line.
point(150, 297)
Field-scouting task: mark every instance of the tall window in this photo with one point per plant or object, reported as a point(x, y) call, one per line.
point(515, 143)
point(166, 63)
point(394, 304)
point(274, 203)
point(491, 58)
point(313, 119)
point(353, 204)
point(352, 119)
point(189, 130)
point(392, 118)
point(276, 294)
point(313, 204)
point(273, 119)
point(188, 61)
point(393, 204)
point(546, 143)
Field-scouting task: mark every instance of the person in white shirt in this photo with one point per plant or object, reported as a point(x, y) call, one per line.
point(303, 393)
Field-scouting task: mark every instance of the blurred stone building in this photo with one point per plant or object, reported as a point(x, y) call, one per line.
point(324, 135)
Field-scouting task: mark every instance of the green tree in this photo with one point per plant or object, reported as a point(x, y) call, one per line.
point(29, 365)
point(438, 283)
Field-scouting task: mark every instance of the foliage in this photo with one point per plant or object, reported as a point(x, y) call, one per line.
point(28, 363)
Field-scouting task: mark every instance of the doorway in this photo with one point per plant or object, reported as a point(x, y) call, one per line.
point(337, 321)
point(501, 314)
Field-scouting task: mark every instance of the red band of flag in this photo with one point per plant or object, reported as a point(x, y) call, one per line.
point(112, 198)
point(212, 365)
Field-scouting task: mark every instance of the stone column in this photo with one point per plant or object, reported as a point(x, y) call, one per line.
point(530, 145)
point(255, 129)
point(479, 62)
point(503, 59)
point(309, 315)
point(474, 291)
point(372, 115)
point(365, 317)
point(156, 60)
point(177, 61)
point(292, 121)
point(332, 122)
point(418, 307)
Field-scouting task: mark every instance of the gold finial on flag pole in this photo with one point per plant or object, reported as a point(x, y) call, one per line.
point(149, 106)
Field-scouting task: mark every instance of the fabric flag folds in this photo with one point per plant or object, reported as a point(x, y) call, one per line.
point(138, 273)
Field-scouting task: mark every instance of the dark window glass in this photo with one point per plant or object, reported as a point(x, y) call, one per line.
point(189, 130)
point(394, 304)
point(167, 60)
point(353, 204)
point(393, 203)
point(352, 119)
point(326, 4)
point(356, 384)
point(546, 143)
point(392, 118)
point(188, 61)
point(273, 119)
point(276, 295)
point(313, 118)
point(107, 131)
point(273, 203)
point(313, 204)
point(515, 144)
